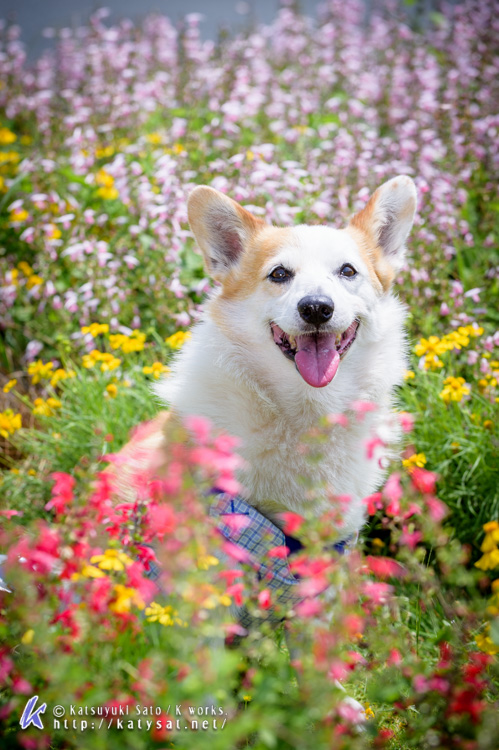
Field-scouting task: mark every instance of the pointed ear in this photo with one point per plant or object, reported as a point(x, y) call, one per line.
point(388, 216)
point(222, 228)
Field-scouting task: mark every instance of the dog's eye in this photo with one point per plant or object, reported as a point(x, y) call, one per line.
point(280, 274)
point(348, 271)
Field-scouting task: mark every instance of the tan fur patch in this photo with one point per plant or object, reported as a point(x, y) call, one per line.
point(242, 280)
point(380, 270)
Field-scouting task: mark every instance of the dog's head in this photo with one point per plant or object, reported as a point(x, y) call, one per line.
point(302, 293)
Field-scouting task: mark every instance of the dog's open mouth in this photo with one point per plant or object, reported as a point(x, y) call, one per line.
point(316, 355)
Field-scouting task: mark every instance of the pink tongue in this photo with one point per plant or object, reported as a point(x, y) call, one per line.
point(317, 359)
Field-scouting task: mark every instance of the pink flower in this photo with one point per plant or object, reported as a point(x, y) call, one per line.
point(340, 419)
point(236, 552)
point(394, 657)
point(281, 551)
point(410, 538)
point(384, 567)
point(362, 407)
point(309, 608)
point(393, 492)
point(200, 427)
point(374, 502)
point(378, 593)
point(292, 521)
point(371, 445)
point(62, 492)
point(264, 599)
point(438, 510)
point(162, 519)
point(406, 421)
point(424, 481)
point(236, 591)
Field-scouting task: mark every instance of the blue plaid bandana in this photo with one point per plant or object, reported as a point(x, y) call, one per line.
point(258, 536)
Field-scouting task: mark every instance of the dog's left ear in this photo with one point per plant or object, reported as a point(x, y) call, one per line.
point(222, 228)
point(388, 216)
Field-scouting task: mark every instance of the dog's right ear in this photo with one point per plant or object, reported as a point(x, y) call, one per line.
point(222, 228)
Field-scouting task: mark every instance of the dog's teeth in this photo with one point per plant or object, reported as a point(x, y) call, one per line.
point(292, 341)
point(338, 338)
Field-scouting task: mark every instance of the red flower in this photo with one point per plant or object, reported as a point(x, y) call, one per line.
point(281, 551)
point(393, 492)
point(62, 492)
point(385, 567)
point(162, 519)
point(374, 502)
point(423, 480)
point(236, 591)
point(264, 599)
point(292, 522)
point(466, 701)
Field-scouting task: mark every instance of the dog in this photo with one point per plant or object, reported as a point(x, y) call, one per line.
point(303, 324)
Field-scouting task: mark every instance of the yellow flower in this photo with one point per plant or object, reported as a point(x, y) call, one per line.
point(90, 571)
point(112, 559)
point(133, 343)
point(433, 346)
point(485, 642)
point(417, 459)
point(166, 616)
point(28, 637)
point(247, 698)
point(9, 386)
point(368, 711)
point(409, 375)
point(108, 193)
point(207, 561)
point(457, 339)
point(490, 558)
point(9, 423)
point(104, 179)
point(176, 340)
point(46, 408)
point(454, 389)
point(250, 155)
point(432, 362)
point(25, 268)
point(178, 148)
point(156, 370)
point(104, 152)
point(19, 214)
point(125, 597)
point(7, 136)
point(34, 280)
point(38, 370)
point(154, 138)
point(112, 390)
point(95, 329)
point(61, 374)
point(110, 364)
point(55, 233)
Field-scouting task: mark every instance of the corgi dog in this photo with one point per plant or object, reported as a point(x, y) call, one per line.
point(303, 324)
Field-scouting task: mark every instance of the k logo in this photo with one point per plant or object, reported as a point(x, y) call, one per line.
point(30, 716)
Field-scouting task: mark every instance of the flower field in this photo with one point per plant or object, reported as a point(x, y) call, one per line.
point(101, 141)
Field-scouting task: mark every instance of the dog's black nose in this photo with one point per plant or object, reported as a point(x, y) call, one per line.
point(316, 310)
